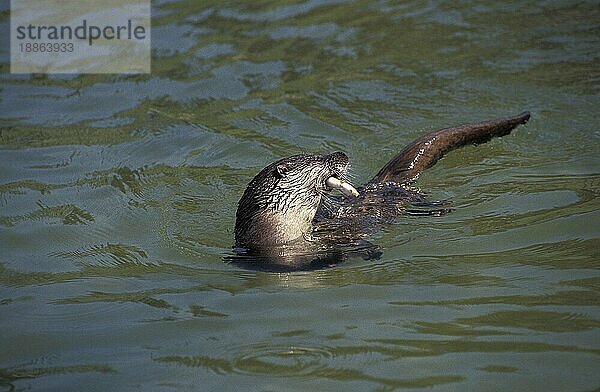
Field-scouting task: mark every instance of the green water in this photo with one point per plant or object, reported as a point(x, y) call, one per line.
point(118, 195)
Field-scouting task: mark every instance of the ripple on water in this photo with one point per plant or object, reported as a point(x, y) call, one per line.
point(25, 372)
point(107, 255)
point(282, 360)
point(345, 363)
point(536, 320)
point(261, 359)
point(53, 309)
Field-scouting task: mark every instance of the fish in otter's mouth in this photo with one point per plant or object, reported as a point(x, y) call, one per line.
point(344, 187)
point(281, 208)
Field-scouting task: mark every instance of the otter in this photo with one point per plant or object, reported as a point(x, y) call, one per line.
point(289, 219)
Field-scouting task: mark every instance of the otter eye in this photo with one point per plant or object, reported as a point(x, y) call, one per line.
point(281, 170)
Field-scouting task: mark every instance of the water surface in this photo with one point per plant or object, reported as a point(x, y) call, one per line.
point(118, 197)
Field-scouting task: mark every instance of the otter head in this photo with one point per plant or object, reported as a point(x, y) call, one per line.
point(279, 204)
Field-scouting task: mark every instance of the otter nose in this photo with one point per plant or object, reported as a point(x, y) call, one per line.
point(338, 158)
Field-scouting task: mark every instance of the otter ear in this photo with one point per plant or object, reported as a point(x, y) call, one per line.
point(281, 170)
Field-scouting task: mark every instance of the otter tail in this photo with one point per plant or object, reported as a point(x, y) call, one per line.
point(426, 151)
